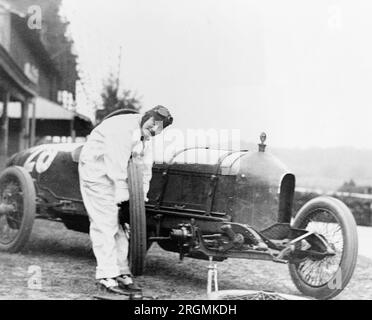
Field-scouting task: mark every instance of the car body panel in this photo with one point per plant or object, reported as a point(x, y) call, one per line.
point(240, 186)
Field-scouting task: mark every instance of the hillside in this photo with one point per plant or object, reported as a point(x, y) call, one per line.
point(325, 168)
point(328, 168)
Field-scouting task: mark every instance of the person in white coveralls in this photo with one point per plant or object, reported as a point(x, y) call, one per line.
point(103, 183)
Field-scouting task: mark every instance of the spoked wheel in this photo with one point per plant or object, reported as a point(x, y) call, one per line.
point(17, 208)
point(137, 219)
point(324, 278)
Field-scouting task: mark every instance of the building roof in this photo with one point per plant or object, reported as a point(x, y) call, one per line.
point(45, 110)
point(12, 69)
point(5, 5)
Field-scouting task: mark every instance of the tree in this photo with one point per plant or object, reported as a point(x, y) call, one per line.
point(112, 100)
point(348, 186)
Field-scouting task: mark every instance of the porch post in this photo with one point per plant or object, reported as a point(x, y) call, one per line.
point(33, 124)
point(4, 128)
point(25, 126)
point(73, 131)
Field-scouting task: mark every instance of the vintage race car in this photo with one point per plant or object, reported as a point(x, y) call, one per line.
point(203, 203)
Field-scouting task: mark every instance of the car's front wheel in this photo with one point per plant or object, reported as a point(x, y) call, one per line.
point(327, 277)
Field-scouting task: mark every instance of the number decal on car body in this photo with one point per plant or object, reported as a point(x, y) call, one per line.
point(42, 163)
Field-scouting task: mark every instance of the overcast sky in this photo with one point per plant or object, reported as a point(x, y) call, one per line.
point(299, 70)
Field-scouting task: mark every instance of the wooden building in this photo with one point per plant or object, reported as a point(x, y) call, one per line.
point(31, 79)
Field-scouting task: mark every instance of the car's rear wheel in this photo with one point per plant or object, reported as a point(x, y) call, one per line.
point(17, 208)
point(137, 219)
point(326, 277)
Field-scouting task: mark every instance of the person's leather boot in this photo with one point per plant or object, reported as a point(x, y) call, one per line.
point(126, 283)
point(110, 285)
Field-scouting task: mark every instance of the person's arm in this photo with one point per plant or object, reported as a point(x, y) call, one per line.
point(148, 161)
point(117, 155)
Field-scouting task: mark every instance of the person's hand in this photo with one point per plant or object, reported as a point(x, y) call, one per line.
point(121, 195)
point(146, 188)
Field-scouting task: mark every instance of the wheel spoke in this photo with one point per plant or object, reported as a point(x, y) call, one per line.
point(13, 219)
point(319, 272)
point(17, 189)
point(11, 194)
point(7, 234)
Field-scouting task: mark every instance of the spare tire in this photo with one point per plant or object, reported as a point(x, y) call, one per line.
point(137, 218)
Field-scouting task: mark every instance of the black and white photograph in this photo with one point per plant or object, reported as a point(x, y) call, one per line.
point(199, 151)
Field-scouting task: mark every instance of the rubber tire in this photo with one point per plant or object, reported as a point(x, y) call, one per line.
point(137, 216)
point(350, 249)
point(29, 206)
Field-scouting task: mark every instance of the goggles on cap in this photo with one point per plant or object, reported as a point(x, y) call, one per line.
point(164, 113)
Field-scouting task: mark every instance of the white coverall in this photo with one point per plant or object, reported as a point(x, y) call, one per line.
point(103, 183)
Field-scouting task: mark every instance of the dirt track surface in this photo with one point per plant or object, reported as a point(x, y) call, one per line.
point(67, 264)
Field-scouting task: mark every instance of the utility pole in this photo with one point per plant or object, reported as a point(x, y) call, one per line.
point(119, 71)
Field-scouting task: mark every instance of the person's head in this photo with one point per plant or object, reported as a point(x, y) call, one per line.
point(155, 121)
